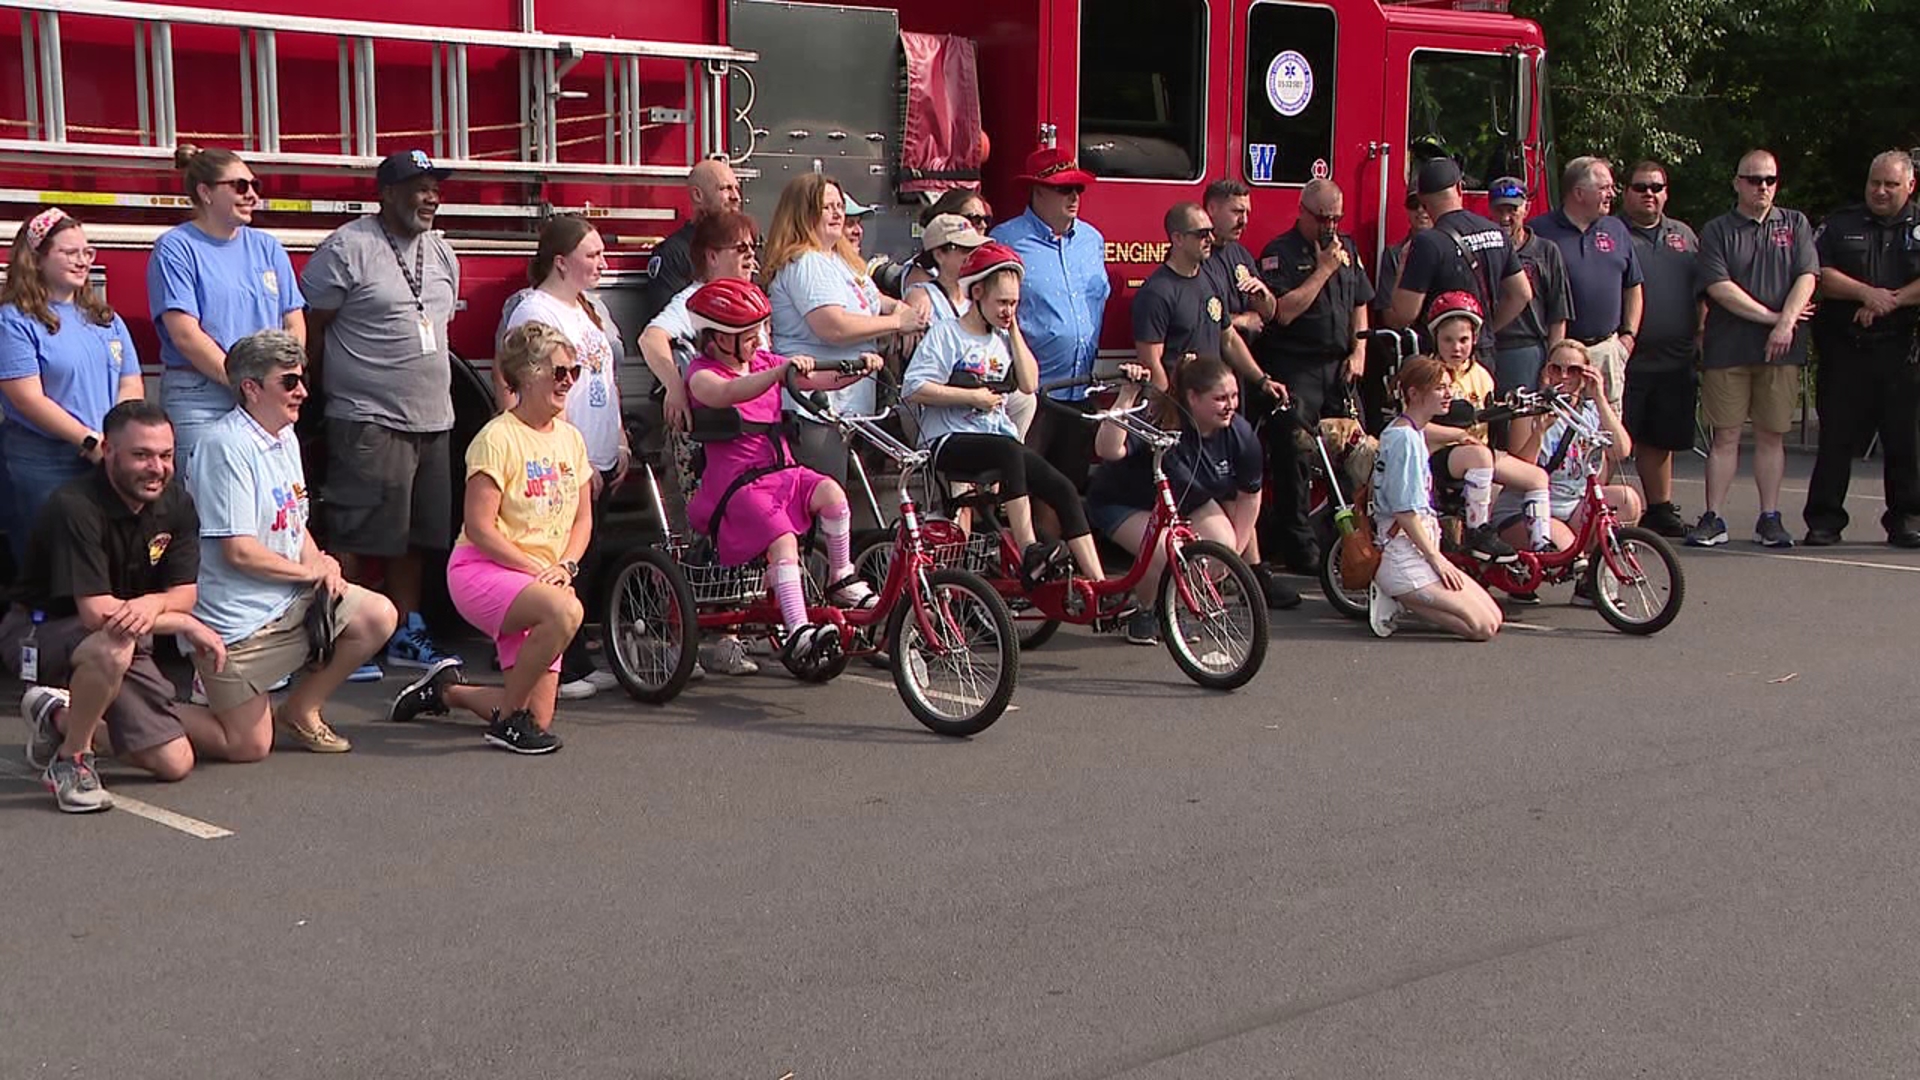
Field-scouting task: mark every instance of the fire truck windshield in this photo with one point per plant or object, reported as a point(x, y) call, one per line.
point(1468, 106)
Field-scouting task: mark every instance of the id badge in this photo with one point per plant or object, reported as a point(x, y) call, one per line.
point(428, 346)
point(30, 663)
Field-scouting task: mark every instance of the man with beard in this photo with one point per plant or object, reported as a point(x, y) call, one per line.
point(110, 564)
point(1231, 267)
point(380, 293)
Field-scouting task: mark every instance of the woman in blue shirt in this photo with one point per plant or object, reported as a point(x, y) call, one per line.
point(211, 282)
point(960, 376)
point(65, 359)
point(825, 306)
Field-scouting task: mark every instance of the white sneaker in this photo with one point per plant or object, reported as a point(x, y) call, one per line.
point(578, 689)
point(1382, 611)
point(604, 680)
point(729, 657)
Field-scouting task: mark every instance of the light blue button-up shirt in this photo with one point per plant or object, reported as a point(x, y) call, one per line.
point(1064, 296)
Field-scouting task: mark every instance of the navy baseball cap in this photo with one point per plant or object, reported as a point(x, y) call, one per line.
point(1437, 175)
point(1506, 191)
point(405, 165)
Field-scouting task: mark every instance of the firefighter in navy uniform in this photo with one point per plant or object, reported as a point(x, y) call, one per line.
point(1869, 368)
point(1311, 347)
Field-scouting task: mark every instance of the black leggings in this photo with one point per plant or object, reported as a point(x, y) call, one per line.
point(1021, 472)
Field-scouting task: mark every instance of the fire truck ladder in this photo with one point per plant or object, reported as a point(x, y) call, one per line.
point(544, 59)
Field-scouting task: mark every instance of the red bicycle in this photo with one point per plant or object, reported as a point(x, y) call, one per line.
point(948, 637)
point(1632, 574)
point(1213, 612)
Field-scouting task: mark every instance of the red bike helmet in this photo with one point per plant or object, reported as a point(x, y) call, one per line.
point(986, 259)
point(729, 306)
point(1454, 304)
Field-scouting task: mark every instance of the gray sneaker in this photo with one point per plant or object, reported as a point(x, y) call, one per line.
point(1770, 532)
point(729, 657)
point(76, 786)
point(37, 706)
point(1143, 628)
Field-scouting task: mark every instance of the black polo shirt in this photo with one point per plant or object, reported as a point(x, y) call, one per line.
point(1668, 252)
point(1551, 303)
point(1229, 265)
point(1600, 267)
point(1186, 314)
point(1764, 258)
point(1884, 253)
point(1324, 331)
point(86, 542)
point(1463, 252)
point(669, 270)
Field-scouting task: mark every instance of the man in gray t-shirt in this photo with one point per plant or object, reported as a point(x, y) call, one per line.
point(1758, 268)
point(381, 291)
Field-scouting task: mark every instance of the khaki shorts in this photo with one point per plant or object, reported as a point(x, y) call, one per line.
point(272, 653)
point(1765, 393)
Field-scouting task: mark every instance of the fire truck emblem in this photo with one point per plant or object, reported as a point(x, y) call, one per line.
point(1260, 162)
point(1289, 83)
point(1321, 170)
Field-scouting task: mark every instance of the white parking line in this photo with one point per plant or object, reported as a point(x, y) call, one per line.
point(1851, 496)
point(193, 827)
point(1828, 560)
point(887, 685)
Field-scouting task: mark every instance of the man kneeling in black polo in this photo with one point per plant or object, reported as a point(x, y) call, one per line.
point(111, 563)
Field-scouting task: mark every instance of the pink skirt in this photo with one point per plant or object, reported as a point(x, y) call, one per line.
point(758, 514)
point(482, 590)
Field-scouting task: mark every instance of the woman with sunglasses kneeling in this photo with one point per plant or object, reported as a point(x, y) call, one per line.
point(1556, 447)
point(1414, 573)
point(528, 520)
point(755, 499)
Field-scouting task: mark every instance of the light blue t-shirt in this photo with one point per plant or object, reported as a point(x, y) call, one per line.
point(1402, 480)
point(951, 347)
point(815, 280)
point(1064, 296)
point(234, 287)
point(246, 481)
point(80, 365)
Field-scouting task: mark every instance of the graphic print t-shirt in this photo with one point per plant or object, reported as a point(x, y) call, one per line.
point(540, 475)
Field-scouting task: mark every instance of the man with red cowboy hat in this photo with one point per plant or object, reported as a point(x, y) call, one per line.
point(1064, 299)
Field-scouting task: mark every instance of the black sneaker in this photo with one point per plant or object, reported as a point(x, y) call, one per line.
point(1041, 561)
point(1280, 595)
point(1822, 537)
point(1770, 532)
point(425, 696)
point(1664, 519)
point(1485, 544)
point(518, 734)
point(1524, 599)
point(1583, 592)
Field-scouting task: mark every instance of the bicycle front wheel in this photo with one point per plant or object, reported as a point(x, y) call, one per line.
point(1643, 595)
point(652, 632)
point(1213, 616)
point(958, 678)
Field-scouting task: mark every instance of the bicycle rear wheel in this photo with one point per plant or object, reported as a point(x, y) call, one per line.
point(1221, 640)
point(652, 633)
point(1349, 602)
point(957, 680)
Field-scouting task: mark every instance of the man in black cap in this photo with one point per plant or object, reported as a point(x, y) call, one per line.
point(1462, 252)
point(380, 293)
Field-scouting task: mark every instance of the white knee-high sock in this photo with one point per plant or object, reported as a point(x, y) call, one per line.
point(785, 577)
point(1479, 484)
point(836, 522)
point(1539, 511)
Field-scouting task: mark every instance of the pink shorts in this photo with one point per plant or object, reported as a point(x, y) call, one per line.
point(482, 591)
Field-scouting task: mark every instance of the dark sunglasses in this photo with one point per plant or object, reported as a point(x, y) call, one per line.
point(1205, 231)
point(1760, 181)
point(1562, 369)
point(1648, 187)
point(288, 380)
point(565, 373)
point(1069, 189)
point(1330, 219)
point(978, 220)
point(242, 185)
point(744, 247)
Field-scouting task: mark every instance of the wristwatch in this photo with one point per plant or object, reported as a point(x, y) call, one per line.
point(571, 566)
point(89, 444)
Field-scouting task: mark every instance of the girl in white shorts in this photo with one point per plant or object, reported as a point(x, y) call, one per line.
point(1413, 573)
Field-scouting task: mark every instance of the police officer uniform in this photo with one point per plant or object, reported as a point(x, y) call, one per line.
point(1308, 356)
point(1868, 377)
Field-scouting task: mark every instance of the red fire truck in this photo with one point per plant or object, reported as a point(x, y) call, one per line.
point(600, 108)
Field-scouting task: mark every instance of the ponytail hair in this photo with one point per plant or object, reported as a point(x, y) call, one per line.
point(202, 167)
point(561, 235)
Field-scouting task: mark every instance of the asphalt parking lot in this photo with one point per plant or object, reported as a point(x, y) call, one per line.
point(1568, 853)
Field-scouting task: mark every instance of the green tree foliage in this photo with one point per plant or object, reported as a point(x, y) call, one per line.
point(1824, 84)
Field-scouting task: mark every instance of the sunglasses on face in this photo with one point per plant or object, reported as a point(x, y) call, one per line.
point(1758, 180)
point(1648, 187)
point(565, 373)
point(288, 380)
point(744, 247)
point(1560, 370)
point(1330, 219)
point(242, 185)
point(1070, 189)
point(978, 220)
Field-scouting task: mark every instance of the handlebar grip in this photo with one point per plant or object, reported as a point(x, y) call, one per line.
point(1069, 383)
